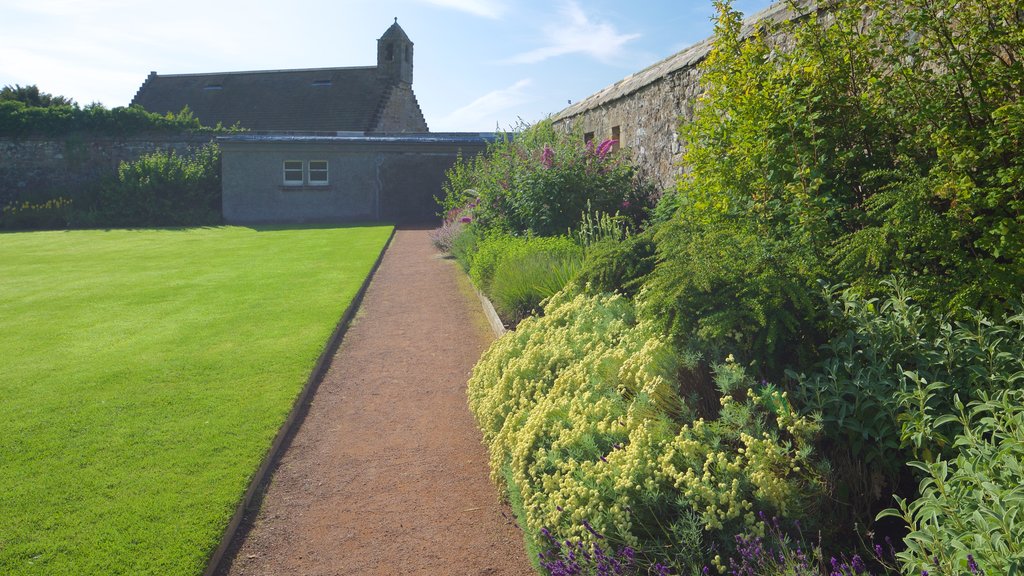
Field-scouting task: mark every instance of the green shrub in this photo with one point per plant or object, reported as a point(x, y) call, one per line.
point(869, 150)
point(724, 288)
point(969, 518)
point(164, 189)
point(20, 119)
point(541, 180)
point(887, 380)
point(586, 428)
point(27, 215)
point(464, 245)
point(525, 279)
point(620, 266)
point(518, 272)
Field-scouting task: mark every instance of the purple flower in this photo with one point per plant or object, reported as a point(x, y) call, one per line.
point(858, 565)
point(465, 219)
point(972, 565)
point(605, 148)
point(547, 156)
point(591, 530)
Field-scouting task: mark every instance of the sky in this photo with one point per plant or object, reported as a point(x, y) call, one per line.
point(479, 65)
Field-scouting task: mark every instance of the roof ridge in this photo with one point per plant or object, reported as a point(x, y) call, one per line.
point(200, 74)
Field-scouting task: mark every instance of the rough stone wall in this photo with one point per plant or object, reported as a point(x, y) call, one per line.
point(401, 112)
point(647, 122)
point(646, 108)
point(43, 168)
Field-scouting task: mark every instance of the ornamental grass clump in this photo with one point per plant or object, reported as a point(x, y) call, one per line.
point(588, 433)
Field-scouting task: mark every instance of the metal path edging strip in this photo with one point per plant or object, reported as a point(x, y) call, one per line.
point(294, 415)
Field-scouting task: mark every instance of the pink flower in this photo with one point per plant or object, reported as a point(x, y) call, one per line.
point(605, 148)
point(547, 156)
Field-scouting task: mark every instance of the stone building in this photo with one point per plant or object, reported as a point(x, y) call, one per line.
point(354, 99)
point(324, 145)
point(344, 177)
point(643, 110)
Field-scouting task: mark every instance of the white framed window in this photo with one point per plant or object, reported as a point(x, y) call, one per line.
point(294, 172)
point(318, 173)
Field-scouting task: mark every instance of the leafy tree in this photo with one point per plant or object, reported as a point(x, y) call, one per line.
point(31, 96)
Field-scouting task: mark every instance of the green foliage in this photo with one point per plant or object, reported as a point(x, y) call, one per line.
point(724, 288)
point(971, 507)
point(60, 118)
point(523, 280)
point(886, 384)
point(163, 189)
point(541, 181)
point(31, 96)
point(619, 266)
point(464, 245)
point(871, 149)
point(28, 215)
point(584, 422)
point(519, 272)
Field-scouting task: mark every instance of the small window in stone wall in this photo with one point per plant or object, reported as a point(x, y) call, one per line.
point(318, 172)
point(616, 138)
point(588, 137)
point(293, 172)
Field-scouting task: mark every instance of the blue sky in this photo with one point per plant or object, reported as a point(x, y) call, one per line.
point(479, 64)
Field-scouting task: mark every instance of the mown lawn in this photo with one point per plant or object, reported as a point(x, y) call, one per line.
point(143, 375)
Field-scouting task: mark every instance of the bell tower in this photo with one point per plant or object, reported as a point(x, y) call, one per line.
point(394, 55)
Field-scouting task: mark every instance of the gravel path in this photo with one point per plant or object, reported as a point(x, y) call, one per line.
point(387, 473)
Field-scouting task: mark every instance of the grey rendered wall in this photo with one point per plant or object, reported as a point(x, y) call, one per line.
point(368, 182)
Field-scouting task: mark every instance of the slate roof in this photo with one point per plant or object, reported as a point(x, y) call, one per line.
point(325, 99)
point(395, 32)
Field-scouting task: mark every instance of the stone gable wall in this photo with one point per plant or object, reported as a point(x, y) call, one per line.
point(401, 112)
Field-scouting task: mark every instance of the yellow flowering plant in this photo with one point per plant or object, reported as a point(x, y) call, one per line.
point(581, 412)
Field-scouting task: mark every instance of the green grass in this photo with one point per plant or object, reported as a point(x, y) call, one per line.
point(143, 375)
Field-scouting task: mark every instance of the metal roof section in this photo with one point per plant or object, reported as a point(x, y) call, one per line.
point(356, 137)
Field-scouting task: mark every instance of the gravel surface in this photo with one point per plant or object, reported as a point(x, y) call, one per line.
point(386, 473)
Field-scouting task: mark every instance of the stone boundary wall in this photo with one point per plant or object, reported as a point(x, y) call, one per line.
point(39, 168)
point(643, 110)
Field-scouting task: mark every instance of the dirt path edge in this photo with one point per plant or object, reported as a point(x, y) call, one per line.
point(261, 478)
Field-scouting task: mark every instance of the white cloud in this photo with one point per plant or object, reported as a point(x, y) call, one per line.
point(485, 8)
point(486, 112)
point(577, 34)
